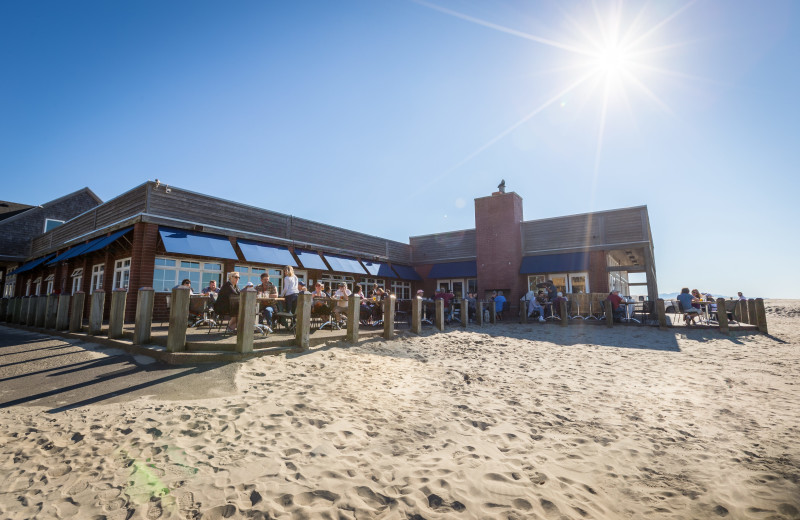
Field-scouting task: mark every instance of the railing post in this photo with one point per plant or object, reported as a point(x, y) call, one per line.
point(737, 311)
point(722, 316)
point(416, 315)
point(662, 314)
point(76, 314)
point(144, 316)
point(247, 320)
point(21, 310)
point(440, 314)
point(178, 319)
point(116, 318)
point(51, 312)
point(388, 316)
point(479, 307)
point(562, 305)
point(62, 316)
point(609, 313)
point(744, 313)
point(751, 312)
point(3, 308)
point(492, 312)
point(761, 315)
point(303, 326)
point(464, 312)
point(96, 312)
point(353, 318)
point(39, 306)
point(523, 311)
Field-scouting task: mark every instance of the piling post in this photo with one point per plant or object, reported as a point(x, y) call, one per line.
point(40, 305)
point(389, 304)
point(662, 314)
point(761, 315)
point(3, 308)
point(51, 311)
point(20, 309)
point(62, 315)
point(247, 320)
point(416, 315)
point(303, 325)
point(464, 312)
point(116, 318)
point(440, 314)
point(178, 319)
point(76, 314)
point(737, 311)
point(523, 311)
point(609, 313)
point(562, 306)
point(751, 312)
point(492, 312)
point(353, 318)
point(479, 315)
point(144, 316)
point(96, 312)
point(722, 316)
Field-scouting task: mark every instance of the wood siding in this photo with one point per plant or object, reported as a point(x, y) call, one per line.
point(444, 247)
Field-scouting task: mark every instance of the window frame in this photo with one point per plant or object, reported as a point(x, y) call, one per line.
point(401, 289)
point(199, 271)
point(48, 220)
point(98, 277)
point(122, 273)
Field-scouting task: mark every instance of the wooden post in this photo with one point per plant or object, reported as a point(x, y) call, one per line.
point(144, 316)
point(440, 314)
point(62, 316)
point(492, 312)
point(609, 313)
point(751, 312)
point(303, 325)
point(523, 311)
point(116, 318)
point(388, 316)
point(353, 318)
point(40, 305)
point(662, 314)
point(416, 315)
point(3, 308)
point(76, 314)
point(20, 310)
point(247, 319)
point(722, 316)
point(744, 311)
point(761, 315)
point(178, 319)
point(51, 312)
point(562, 306)
point(96, 312)
point(8, 311)
point(479, 315)
point(464, 312)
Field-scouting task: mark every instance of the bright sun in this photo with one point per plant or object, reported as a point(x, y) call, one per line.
point(612, 60)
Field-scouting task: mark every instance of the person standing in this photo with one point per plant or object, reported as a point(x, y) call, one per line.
point(290, 289)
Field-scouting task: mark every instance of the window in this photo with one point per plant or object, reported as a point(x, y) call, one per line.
point(28, 287)
point(122, 273)
point(458, 286)
point(50, 223)
point(332, 282)
point(402, 290)
point(37, 283)
point(169, 272)
point(50, 281)
point(10, 285)
point(77, 279)
point(252, 273)
point(98, 272)
point(575, 283)
point(370, 284)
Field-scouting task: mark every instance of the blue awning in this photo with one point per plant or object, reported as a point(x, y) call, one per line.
point(379, 269)
point(406, 272)
point(31, 265)
point(75, 251)
point(558, 263)
point(344, 264)
point(454, 270)
point(266, 254)
point(193, 243)
point(104, 241)
point(310, 260)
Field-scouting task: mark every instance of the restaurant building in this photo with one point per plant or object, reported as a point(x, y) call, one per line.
point(156, 235)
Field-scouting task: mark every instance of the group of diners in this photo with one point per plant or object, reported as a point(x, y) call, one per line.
point(543, 303)
point(692, 302)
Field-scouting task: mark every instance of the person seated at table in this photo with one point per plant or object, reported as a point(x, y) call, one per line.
point(697, 298)
point(319, 291)
point(301, 288)
point(223, 303)
point(185, 283)
point(712, 307)
point(341, 295)
point(445, 294)
point(358, 291)
point(687, 303)
point(617, 307)
point(557, 304)
point(499, 300)
point(472, 305)
point(533, 304)
point(267, 289)
point(212, 288)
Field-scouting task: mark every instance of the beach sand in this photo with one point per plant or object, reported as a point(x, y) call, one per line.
point(507, 421)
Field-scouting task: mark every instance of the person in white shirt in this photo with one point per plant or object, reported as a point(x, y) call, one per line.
point(290, 289)
point(533, 305)
point(341, 295)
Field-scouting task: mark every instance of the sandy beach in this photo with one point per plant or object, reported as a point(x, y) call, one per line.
point(507, 421)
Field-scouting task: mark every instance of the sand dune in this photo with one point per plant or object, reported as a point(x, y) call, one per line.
point(508, 421)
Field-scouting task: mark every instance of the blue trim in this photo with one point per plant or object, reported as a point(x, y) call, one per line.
point(468, 269)
point(406, 272)
point(310, 260)
point(192, 243)
point(344, 264)
point(378, 269)
point(75, 251)
point(558, 263)
point(266, 254)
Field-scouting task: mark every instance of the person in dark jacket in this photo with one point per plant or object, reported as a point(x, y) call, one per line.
point(224, 305)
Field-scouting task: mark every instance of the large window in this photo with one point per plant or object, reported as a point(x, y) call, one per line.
point(458, 286)
point(122, 273)
point(98, 273)
point(370, 284)
point(77, 279)
point(50, 281)
point(169, 272)
point(252, 273)
point(37, 286)
point(10, 285)
point(332, 282)
point(574, 283)
point(402, 290)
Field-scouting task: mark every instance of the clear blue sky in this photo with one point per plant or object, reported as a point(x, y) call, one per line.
point(406, 111)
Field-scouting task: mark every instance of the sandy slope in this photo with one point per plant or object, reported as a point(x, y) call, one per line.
point(510, 422)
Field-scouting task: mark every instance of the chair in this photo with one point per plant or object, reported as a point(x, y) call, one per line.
point(402, 311)
point(646, 312)
point(574, 311)
point(199, 311)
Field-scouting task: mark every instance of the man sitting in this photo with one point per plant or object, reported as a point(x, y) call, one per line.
point(617, 309)
point(445, 294)
point(212, 288)
point(533, 304)
point(341, 295)
point(689, 312)
point(557, 305)
point(267, 289)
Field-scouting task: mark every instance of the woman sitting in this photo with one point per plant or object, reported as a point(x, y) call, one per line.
point(224, 303)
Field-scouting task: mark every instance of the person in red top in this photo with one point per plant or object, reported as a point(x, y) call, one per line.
point(445, 294)
point(616, 304)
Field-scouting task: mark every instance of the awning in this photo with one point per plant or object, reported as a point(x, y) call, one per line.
point(558, 263)
point(310, 260)
point(75, 251)
point(266, 254)
point(454, 270)
point(104, 241)
point(344, 264)
point(378, 269)
point(31, 265)
point(406, 272)
point(193, 243)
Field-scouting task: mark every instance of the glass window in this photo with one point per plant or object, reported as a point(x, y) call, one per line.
point(49, 289)
point(166, 262)
point(98, 272)
point(402, 290)
point(169, 272)
point(332, 282)
point(50, 223)
point(77, 280)
point(122, 273)
point(370, 284)
point(10, 285)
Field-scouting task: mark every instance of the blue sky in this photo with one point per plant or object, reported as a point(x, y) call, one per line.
point(406, 111)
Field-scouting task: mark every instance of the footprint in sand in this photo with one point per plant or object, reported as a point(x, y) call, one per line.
point(316, 498)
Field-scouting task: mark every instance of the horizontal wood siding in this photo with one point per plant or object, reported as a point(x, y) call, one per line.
point(399, 253)
point(442, 247)
point(127, 204)
point(587, 230)
point(624, 226)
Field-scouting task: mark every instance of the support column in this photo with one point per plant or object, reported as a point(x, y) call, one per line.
point(144, 316)
point(388, 316)
point(416, 315)
point(116, 319)
point(662, 314)
point(178, 319)
point(479, 307)
point(562, 308)
point(18, 306)
point(751, 312)
point(247, 320)
point(353, 318)
point(96, 312)
point(40, 302)
point(722, 316)
point(3, 308)
point(744, 311)
point(523, 311)
point(303, 327)
point(761, 315)
point(51, 311)
point(33, 309)
point(62, 316)
point(439, 314)
point(464, 312)
point(76, 314)
point(737, 312)
point(609, 313)
point(492, 313)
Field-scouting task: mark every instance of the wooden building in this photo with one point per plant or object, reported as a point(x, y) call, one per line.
point(156, 236)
